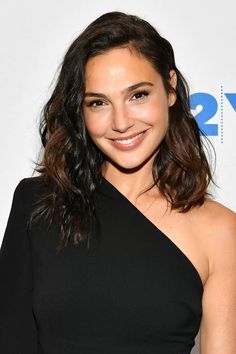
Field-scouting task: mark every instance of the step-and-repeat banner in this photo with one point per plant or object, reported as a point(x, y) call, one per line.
point(35, 36)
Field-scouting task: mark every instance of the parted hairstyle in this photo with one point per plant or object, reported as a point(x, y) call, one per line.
point(71, 162)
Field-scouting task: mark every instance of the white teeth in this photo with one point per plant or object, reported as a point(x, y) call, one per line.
point(128, 141)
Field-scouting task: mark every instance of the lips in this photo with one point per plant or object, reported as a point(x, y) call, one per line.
point(126, 141)
point(129, 142)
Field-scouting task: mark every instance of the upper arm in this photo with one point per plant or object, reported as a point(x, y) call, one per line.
point(218, 327)
point(17, 325)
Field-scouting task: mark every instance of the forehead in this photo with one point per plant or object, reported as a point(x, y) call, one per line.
point(118, 66)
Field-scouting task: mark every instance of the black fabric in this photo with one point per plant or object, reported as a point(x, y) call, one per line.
point(133, 291)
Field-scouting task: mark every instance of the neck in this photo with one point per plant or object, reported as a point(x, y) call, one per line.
point(129, 182)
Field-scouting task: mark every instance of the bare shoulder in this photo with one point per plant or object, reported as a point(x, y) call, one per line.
point(217, 216)
point(213, 205)
point(218, 326)
point(217, 224)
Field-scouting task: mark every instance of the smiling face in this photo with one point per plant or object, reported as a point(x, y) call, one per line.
point(126, 107)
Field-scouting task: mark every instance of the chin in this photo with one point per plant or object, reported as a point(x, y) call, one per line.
point(130, 166)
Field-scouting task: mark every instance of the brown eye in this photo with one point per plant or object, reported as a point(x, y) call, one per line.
point(95, 104)
point(140, 95)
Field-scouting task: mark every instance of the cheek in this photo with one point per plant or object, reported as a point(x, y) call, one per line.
point(96, 127)
point(153, 113)
point(160, 116)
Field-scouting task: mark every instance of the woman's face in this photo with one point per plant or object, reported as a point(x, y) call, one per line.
point(125, 107)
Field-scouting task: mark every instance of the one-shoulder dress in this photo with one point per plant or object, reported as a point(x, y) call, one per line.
point(133, 291)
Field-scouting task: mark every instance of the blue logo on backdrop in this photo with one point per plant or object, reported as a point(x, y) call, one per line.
point(210, 107)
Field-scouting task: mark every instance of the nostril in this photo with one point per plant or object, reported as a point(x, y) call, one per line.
point(122, 129)
point(122, 125)
point(121, 120)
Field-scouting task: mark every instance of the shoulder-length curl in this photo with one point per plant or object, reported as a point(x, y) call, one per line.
point(71, 164)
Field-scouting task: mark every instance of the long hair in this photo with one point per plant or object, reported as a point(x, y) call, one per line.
point(71, 163)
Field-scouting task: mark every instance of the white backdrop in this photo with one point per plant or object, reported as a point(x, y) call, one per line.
point(34, 36)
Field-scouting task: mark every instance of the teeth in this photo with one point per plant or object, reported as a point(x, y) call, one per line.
point(128, 141)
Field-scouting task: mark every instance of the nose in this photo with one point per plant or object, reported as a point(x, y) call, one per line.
point(121, 120)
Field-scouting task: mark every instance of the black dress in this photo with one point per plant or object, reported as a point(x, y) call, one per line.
point(132, 292)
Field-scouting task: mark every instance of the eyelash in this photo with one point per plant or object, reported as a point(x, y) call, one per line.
point(98, 103)
point(90, 104)
point(143, 94)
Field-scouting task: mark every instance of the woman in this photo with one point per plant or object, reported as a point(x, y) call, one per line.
point(116, 247)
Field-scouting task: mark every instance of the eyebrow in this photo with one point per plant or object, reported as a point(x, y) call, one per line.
point(125, 91)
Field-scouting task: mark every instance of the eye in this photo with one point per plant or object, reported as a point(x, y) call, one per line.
point(140, 95)
point(94, 104)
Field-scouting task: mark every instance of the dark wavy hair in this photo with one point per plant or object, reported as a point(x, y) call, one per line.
point(71, 163)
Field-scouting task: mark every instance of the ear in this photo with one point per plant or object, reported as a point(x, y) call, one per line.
point(173, 84)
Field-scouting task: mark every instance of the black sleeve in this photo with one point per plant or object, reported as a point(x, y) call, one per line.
point(18, 333)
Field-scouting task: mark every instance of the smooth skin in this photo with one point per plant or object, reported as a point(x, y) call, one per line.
point(125, 95)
